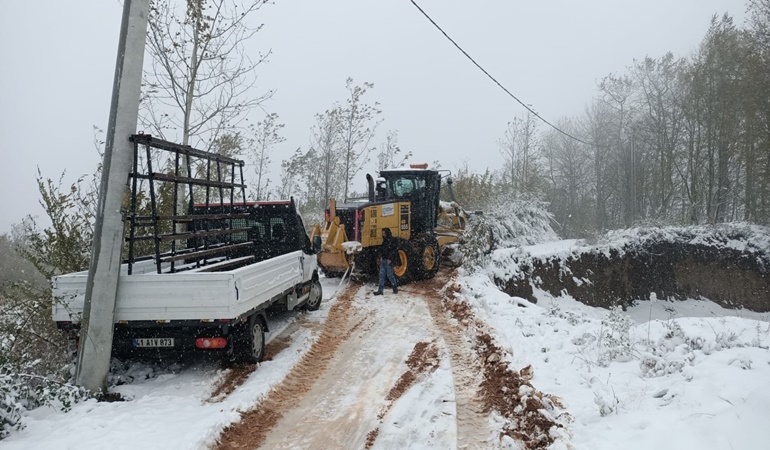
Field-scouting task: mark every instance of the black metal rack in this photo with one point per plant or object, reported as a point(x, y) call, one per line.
point(163, 173)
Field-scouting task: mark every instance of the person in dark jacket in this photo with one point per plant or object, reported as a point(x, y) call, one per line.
point(388, 253)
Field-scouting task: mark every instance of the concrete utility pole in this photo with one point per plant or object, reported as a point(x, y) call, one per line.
point(102, 286)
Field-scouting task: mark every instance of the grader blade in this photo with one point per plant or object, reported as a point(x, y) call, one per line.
point(337, 253)
point(451, 223)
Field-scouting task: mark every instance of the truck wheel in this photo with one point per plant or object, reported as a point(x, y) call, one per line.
point(250, 343)
point(430, 258)
point(313, 301)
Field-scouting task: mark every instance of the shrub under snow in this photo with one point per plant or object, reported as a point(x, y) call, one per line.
point(510, 223)
point(21, 391)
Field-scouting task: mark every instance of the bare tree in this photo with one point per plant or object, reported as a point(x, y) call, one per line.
point(518, 147)
point(200, 85)
point(716, 71)
point(316, 176)
point(357, 126)
point(390, 154)
point(568, 164)
point(661, 124)
point(599, 127)
point(326, 163)
point(291, 171)
point(200, 82)
point(265, 135)
point(617, 92)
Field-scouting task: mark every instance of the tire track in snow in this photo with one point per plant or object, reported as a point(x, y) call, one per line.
point(342, 407)
point(473, 426)
point(531, 419)
point(257, 423)
point(236, 373)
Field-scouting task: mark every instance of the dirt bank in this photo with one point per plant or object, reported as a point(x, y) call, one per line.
point(676, 270)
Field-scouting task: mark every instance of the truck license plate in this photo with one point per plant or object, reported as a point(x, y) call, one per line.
point(153, 342)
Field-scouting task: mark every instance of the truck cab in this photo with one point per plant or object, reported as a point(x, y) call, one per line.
point(270, 229)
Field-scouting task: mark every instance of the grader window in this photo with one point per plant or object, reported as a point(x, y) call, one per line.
point(403, 187)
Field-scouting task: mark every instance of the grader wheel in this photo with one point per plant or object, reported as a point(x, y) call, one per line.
point(401, 269)
point(430, 257)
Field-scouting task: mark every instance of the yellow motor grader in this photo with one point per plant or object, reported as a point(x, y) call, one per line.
point(407, 202)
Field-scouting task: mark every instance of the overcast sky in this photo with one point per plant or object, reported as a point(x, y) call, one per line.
point(57, 64)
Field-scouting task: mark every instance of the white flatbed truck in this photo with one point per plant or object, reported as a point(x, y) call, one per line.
point(220, 307)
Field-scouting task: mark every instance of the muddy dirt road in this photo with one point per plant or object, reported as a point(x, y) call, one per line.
point(388, 372)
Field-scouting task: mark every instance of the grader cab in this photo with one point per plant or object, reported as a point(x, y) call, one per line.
point(407, 202)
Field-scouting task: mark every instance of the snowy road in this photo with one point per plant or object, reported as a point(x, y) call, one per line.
point(370, 381)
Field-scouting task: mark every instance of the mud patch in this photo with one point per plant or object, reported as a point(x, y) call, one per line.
point(231, 378)
point(276, 346)
point(460, 311)
point(472, 418)
point(257, 423)
point(424, 359)
point(510, 393)
point(371, 438)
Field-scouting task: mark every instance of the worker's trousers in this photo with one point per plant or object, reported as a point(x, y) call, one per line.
point(386, 269)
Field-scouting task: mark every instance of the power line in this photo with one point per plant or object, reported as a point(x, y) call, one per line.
point(495, 81)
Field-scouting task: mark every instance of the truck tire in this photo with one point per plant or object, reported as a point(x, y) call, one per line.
point(430, 257)
point(250, 341)
point(313, 301)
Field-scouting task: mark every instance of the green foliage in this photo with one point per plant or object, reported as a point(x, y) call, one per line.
point(34, 355)
point(471, 190)
point(65, 246)
point(22, 390)
point(27, 329)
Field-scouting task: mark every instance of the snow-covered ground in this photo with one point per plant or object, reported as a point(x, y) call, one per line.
point(169, 407)
point(685, 375)
point(662, 375)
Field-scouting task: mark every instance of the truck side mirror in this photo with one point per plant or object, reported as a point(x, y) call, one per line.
point(316, 244)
